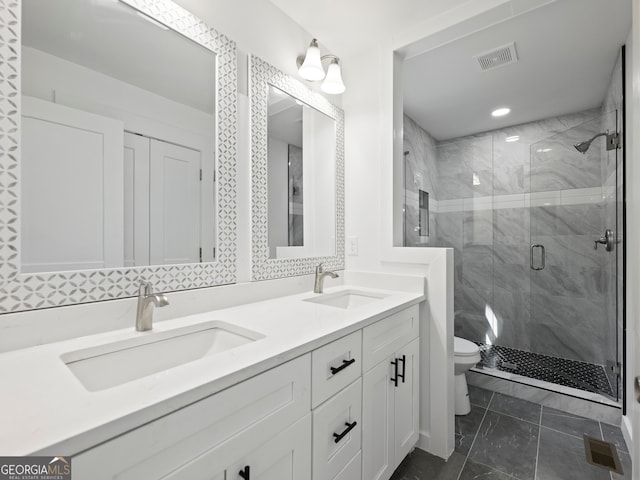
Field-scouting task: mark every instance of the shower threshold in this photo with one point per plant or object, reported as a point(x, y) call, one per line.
point(578, 379)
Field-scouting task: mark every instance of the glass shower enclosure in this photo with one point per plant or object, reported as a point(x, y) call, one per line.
point(538, 231)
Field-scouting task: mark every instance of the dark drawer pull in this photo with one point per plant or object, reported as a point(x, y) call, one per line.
point(244, 473)
point(345, 364)
point(404, 366)
point(340, 436)
point(394, 379)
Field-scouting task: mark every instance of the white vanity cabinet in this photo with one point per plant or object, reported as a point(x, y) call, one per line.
point(345, 411)
point(390, 410)
point(265, 420)
point(374, 416)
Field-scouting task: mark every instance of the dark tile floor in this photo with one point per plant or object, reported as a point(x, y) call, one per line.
point(505, 438)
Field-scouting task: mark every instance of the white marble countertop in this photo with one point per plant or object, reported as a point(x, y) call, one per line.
point(44, 409)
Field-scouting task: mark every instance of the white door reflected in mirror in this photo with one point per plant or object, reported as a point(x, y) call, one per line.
point(71, 204)
point(301, 178)
point(162, 203)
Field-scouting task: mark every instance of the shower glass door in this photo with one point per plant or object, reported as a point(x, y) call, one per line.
point(574, 200)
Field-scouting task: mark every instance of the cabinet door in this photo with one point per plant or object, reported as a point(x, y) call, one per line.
point(287, 456)
point(377, 422)
point(406, 408)
point(353, 470)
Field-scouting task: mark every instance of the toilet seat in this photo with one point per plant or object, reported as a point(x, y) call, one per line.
point(464, 348)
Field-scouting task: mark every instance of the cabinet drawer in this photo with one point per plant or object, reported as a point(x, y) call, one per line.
point(335, 366)
point(388, 335)
point(336, 432)
point(285, 456)
point(265, 404)
point(353, 470)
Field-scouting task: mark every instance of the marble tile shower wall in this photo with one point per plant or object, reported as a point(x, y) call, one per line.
point(494, 198)
point(420, 174)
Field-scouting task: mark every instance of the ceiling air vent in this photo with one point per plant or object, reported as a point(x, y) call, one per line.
point(497, 57)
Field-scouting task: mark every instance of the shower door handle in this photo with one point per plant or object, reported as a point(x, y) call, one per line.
point(543, 256)
point(609, 240)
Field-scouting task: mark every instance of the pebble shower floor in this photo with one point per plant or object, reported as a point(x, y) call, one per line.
point(561, 371)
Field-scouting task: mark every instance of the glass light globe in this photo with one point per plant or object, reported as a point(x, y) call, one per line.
point(333, 83)
point(311, 68)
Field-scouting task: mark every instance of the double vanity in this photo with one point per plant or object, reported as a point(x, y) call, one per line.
point(304, 386)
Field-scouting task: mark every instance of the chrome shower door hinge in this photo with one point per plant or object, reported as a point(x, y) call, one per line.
point(616, 368)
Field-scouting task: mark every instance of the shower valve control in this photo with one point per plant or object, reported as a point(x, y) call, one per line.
point(608, 241)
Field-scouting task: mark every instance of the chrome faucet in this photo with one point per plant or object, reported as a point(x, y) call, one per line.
point(320, 274)
point(146, 301)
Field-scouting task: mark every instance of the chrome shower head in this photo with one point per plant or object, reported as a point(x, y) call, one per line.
point(613, 142)
point(582, 147)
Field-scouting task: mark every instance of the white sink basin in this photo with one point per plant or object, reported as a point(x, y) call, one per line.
point(346, 298)
point(116, 363)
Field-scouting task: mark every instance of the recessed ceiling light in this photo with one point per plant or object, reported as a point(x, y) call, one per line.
point(543, 150)
point(501, 112)
point(512, 138)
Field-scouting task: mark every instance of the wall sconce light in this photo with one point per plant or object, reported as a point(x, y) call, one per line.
point(310, 68)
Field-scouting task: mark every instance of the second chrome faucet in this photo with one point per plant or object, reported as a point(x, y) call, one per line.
point(146, 301)
point(320, 275)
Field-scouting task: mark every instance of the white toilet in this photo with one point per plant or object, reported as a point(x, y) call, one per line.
point(466, 355)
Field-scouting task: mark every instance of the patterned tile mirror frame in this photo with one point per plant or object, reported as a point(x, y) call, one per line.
point(19, 291)
point(262, 75)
